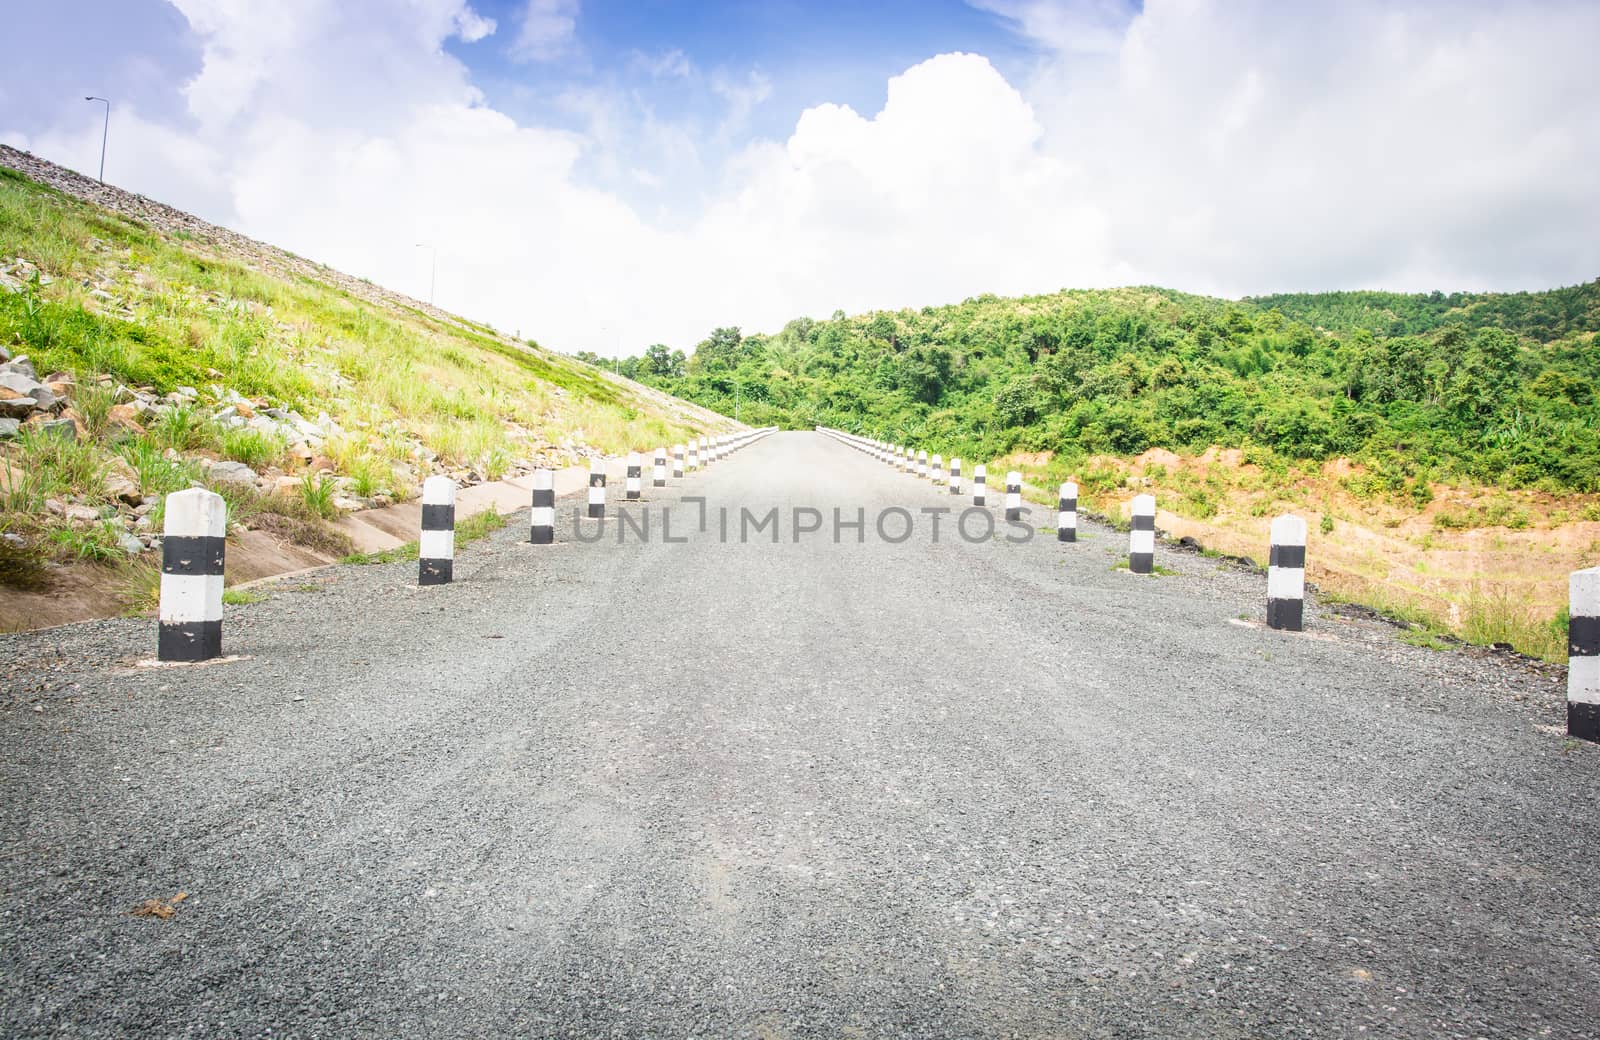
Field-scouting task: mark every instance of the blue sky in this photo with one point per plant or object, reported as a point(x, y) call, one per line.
point(604, 175)
point(811, 53)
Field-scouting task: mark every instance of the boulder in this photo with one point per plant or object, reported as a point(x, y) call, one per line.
point(14, 405)
point(9, 428)
point(18, 382)
point(66, 429)
point(125, 417)
point(20, 366)
point(131, 544)
point(232, 473)
point(123, 487)
point(82, 514)
point(46, 399)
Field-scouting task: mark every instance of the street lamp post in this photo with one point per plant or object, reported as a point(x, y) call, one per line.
point(433, 268)
point(104, 132)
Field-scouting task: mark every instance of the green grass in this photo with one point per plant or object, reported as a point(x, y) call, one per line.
point(96, 543)
point(200, 320)
point(317, 496)
point(392, 377)
point(398, 554)
point(1425, 638)
point(1156, 570)
point(479, 525)
point(254, 448)
point(157, 475)
point(242, 597)
point(139, 587)
point(473, 528)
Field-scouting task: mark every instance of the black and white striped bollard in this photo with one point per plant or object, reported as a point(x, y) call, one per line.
point(955, 476)
point(908, 460)
point(1583, 654)
point(980, 489)
point(1067, 513)
point(542, 515)
point(193, 542)
point(922, 464)
point(597, 489)
point(694, 453)
point(658, 470)
point(436, 550)
point(677, 462)
point(1013, 495)
point(630, 486)
point(1142, 537)
point(1286, 574)
point(936, 466)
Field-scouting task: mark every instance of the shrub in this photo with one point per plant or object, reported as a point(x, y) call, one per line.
point(317, 496)
point(254, 448)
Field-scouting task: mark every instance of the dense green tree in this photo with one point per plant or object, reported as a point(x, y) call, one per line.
point(1496, 387)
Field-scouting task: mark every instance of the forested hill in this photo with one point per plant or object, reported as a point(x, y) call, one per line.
point(1497, 388)
point(1542, 316)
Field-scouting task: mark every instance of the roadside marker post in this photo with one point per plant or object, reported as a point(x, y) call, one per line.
point(658, 471)
point(955, 476)
point(597, 489)
point(1067, 513)
point(436, 550)
point(193, 545)
point(1286, 574)
point(1142, 537)
point(630, 486)
point(937, 466)
point(1583, 654)
point(922, 464)
point(542, 515)
point(1013, 495)
point(677, 462)
point(694, 454)
point(980, 490)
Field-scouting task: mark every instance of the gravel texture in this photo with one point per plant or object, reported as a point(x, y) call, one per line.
point(818, 790)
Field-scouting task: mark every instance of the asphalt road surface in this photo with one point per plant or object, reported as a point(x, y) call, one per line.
point(725, 788)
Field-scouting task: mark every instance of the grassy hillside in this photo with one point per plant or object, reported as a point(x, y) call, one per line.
point(1416, 418)
point(164, 354)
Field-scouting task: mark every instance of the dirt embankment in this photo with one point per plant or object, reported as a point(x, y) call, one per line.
point(1487, 564)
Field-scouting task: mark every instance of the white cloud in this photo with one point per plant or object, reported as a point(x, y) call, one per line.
point(1067, 26)
point(742, 98)
point(668, 64)
point(547, 30)
point(1243, 148)
point(1250, 147)
point(472, 26)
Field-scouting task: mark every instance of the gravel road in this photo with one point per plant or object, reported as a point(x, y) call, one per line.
point(811, 790)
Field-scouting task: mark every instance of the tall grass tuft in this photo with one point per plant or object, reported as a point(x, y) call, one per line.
point(317, 494)
point(1496, 613)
